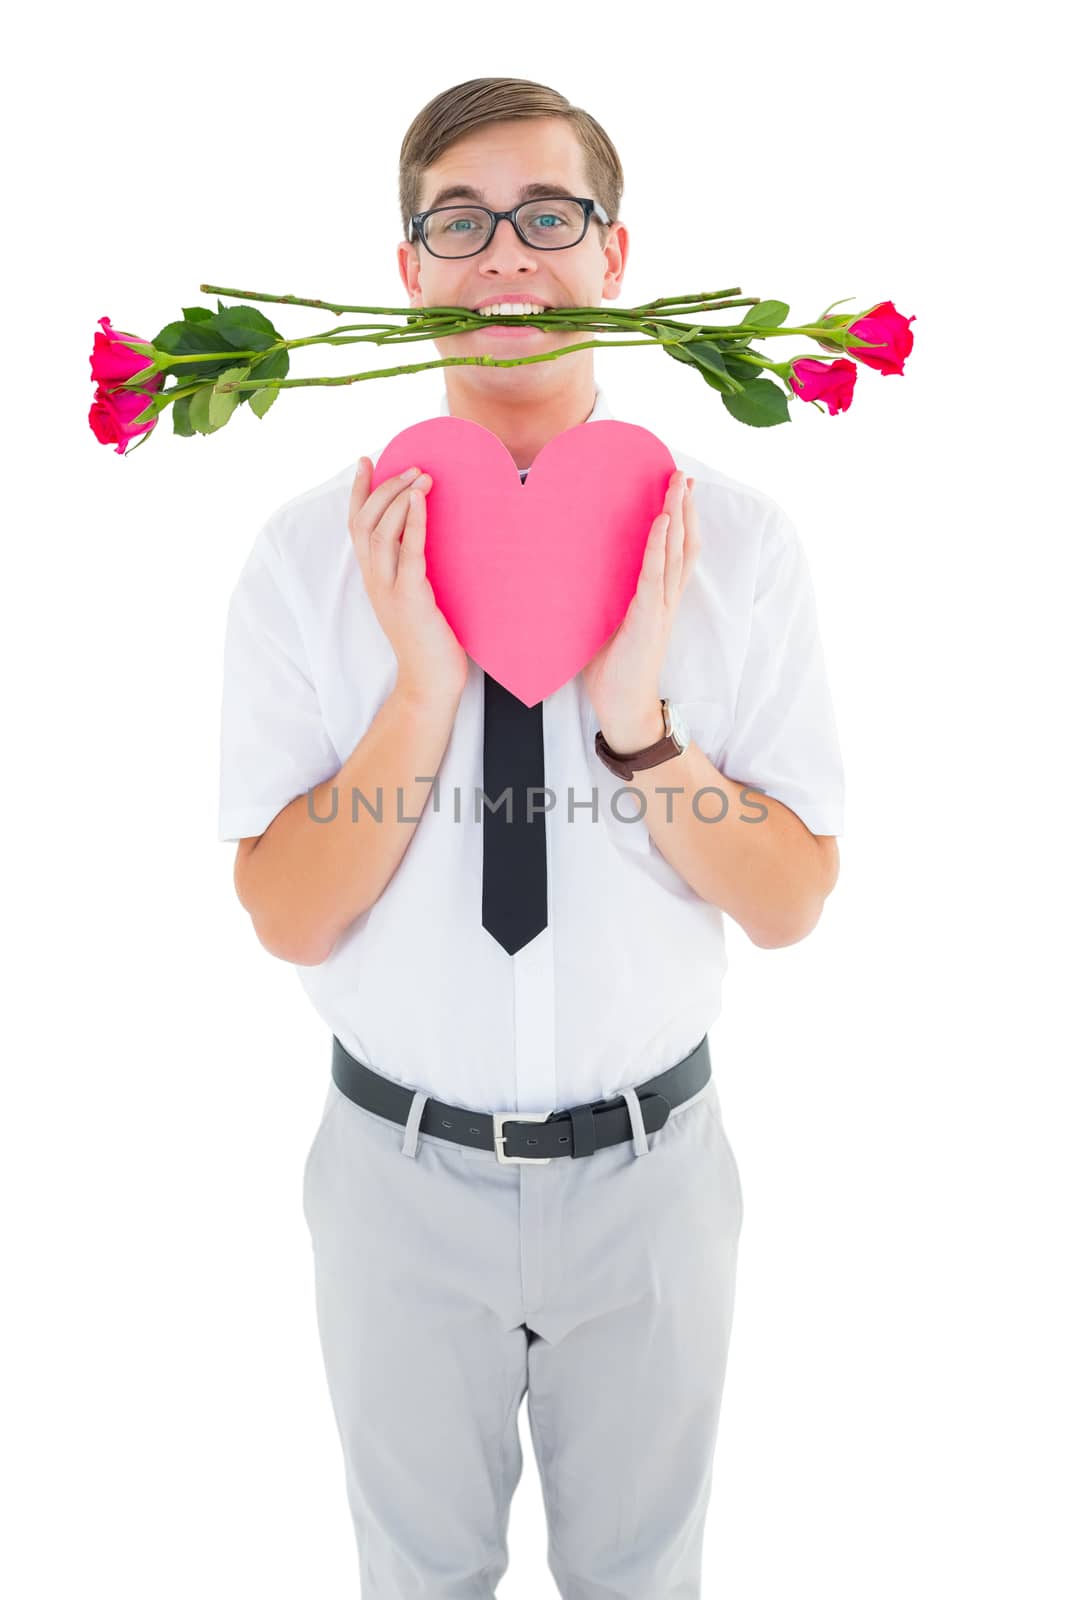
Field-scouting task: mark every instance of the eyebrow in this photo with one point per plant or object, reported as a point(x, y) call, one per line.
point(463, 191)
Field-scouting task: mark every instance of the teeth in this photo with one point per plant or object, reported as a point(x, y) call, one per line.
point(507, 308)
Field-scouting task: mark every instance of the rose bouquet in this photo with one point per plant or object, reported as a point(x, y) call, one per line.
point(217, 360)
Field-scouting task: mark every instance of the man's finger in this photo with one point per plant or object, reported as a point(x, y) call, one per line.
point(372, 502)
point(411, 562)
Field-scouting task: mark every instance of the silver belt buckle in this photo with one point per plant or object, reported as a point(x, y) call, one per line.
point(500, 1117)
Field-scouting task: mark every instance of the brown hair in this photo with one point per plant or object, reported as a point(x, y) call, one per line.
point(478, 102)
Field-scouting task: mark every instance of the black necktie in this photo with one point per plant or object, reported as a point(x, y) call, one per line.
point(514, 870)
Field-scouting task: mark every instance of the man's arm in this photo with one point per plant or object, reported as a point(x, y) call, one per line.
point(767, 871)
point(303, 881)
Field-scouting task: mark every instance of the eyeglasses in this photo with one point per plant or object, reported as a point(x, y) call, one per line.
point(554, 223)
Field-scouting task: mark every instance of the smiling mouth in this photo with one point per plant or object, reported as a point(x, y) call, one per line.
point(521, 324)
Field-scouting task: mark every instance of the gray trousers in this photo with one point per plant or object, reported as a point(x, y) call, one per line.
point(448, 1285)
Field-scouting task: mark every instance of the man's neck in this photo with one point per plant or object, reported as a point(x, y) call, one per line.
point(524, 428)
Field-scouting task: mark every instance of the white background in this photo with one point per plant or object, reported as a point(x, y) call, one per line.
point(893, 1087)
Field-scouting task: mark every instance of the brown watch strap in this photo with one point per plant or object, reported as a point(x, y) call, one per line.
point(624, 766)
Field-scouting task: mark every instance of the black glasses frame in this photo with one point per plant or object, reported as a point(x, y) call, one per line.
point(589, 208)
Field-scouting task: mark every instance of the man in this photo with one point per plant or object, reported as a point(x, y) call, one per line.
point(597, 1273)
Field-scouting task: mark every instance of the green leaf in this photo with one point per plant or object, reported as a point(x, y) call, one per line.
point(190, 338)
point(707, 355)
point(712, 363)
point(709, 362)
point(197, 313)
point(261, 400)
point(766, 314)
point(761, 405)
point(199, 409)
point(274, 365)
point(245, 328)
point(180, 411)
point(741, 370)
point(679, 353)
point(221, 407)
point(195, 338)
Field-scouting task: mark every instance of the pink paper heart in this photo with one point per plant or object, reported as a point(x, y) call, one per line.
point(534, 577)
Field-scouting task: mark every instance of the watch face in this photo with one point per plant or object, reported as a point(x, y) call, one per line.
point(679, 727)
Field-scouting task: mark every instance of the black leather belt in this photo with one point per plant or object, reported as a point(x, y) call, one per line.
point(539, 1135)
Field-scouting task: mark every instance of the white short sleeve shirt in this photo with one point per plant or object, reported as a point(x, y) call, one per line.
point(627, 977)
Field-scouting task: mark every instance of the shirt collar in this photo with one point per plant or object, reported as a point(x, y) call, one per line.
point(599, 413)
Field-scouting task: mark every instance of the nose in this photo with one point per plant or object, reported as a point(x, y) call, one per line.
point(506, 248)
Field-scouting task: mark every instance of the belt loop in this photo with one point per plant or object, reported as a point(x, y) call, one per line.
point(419, 1098)
point(637, 1122)
point(583, 1131)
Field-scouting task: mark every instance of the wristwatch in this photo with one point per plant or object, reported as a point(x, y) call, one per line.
point(673, 743)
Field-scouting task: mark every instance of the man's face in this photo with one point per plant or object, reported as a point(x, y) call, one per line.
point(498, 162)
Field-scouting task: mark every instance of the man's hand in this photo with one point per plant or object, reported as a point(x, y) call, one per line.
point(622, 679)
point(388, 530)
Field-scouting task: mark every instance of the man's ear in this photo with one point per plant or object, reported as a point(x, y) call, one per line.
point(407, 257)
point(615, 253)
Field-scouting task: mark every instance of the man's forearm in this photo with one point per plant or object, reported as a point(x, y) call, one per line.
point(315, 869)
point(759, 862)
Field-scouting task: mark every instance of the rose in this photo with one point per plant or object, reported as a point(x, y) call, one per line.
point(113, 413)
point(889, 334)
point(814, 380)
point(112, 360)
point(112, 416)
point(887, 329)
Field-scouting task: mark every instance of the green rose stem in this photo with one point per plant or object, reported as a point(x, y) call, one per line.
point(393, 311)
point(427, 323)
point(695, 332)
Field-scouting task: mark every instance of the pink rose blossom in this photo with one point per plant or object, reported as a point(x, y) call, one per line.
point(112, 413)
point(890, 338)
point(819, 380)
